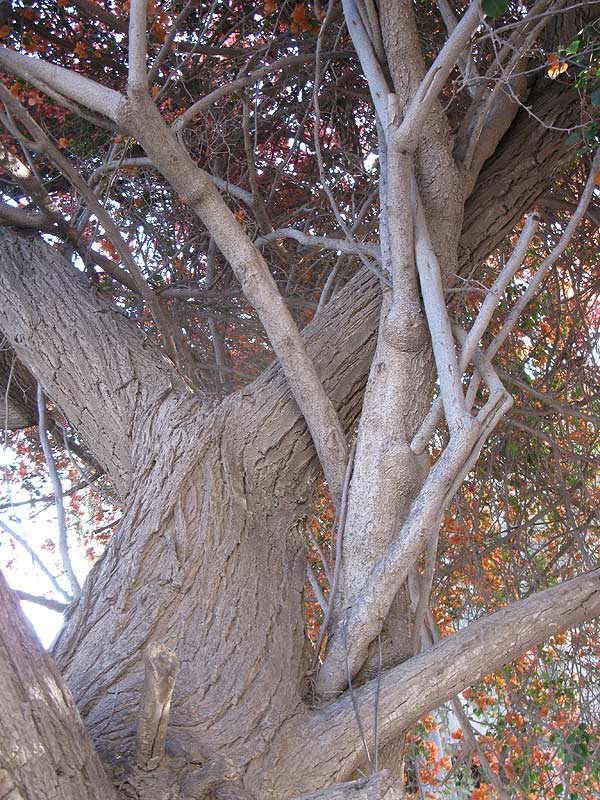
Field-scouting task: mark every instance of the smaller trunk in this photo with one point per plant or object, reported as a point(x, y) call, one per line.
point(46, 751)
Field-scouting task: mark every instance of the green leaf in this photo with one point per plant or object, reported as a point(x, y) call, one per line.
point(572, 138)
point(595, 97)
point(494, 8)
point(558, 789)
point(573, 47)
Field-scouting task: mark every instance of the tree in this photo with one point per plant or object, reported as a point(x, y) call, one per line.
point(197, 190)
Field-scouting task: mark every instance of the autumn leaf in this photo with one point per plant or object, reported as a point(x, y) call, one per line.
point(4, 31)
point(270, 7)
point(301, 20)
point(555, 67)
point(81, 50)
point(63, 142)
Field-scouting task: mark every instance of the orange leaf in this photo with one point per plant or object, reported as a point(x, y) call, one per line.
point(299, 14)
point(597, 179)
point(270, 6)
point(62, 142)
point(555, 67)
point(4, 31)
point(80, 50)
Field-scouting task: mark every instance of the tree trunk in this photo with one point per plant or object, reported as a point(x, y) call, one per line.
point(46, 751)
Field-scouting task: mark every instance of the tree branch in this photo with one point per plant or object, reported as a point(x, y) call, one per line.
point(47, 602)
point(67, 83)
point(91, 360)
point(426, 681)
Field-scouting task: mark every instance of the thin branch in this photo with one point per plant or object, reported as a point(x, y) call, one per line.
point(372, 69)
point(245, 81)
point(63, 537)
point(35, 558)
point(325, 242)
point(316, 589)
point(493, 297)
point(47, 602)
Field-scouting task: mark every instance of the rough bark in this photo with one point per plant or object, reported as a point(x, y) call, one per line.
point(17, 392)
point(381, 786)
point(91, 360)
point(194, 564)
point(46, 751)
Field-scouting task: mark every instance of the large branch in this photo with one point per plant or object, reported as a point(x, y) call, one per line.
point(423, 683)
point(63, 82)
point(45, 750)
point(91, 360)
point(145, 122)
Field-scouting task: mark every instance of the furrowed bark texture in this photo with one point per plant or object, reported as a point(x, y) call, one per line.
point(90, 359)
point(46, 751)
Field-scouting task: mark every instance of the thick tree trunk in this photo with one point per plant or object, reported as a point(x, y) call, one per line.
point(45, 750)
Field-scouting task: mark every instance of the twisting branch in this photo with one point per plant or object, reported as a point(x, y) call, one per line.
point(489, 305)
point(439, 324)
point(426, 95)
point(63, 540)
